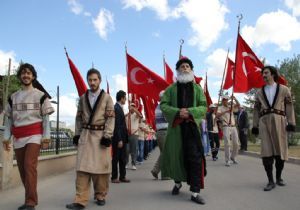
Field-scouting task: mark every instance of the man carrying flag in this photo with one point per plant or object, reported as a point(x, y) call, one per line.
point(183, 105)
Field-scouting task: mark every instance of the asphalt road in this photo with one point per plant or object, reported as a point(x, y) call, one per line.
point(239, 187)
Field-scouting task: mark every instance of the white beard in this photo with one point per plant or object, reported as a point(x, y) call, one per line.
point(185, 77)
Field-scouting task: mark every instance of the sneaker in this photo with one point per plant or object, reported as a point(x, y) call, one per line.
point(233, 161)
point(214, 159)
point(126, 166)
point(198, 199)
point(227, 163)
point(133, 167)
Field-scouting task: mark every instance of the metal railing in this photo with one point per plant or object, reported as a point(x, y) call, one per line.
point(65, 144)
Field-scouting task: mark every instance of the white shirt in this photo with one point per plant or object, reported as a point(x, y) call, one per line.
point(93, 97)
point(270, 92)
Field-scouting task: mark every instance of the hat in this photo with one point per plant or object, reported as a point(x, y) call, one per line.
point(132, 104)
point(184, 60)
point(213, 106)
point(226, 97)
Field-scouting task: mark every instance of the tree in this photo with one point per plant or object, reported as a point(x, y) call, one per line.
point(14, 85)
point(290, 69)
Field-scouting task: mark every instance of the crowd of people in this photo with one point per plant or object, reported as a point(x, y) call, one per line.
point(109, 141)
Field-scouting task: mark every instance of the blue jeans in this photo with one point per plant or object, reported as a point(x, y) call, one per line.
point(140, 156)
point(205, 143)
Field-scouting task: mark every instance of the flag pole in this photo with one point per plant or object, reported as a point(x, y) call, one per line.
point(164, 62)
point(181, 41)
point(66, 51)
point(239, 17)
point(221, 88)
point(129, 101)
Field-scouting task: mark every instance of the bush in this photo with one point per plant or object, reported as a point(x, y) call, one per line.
point(293, 139)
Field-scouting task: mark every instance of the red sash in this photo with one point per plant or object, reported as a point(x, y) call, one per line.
point(27, 130)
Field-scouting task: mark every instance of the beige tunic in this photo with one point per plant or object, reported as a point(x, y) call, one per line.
point(92, 157)
point(272, 127)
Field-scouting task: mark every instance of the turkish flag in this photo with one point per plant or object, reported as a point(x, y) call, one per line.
point(79, 82)
point(169, 76)
point(229, 74)
point(206, 93)
point(143, 81)
point(248, 68)
point(197, 79)
point(149, 108)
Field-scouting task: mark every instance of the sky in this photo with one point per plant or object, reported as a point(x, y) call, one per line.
point(95, 32)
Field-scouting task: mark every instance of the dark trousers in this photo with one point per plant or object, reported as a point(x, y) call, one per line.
point(119, 157)
point(268, 165)
point(27, 160)
point(214, 143)
point(243, 139)
point(146, 149)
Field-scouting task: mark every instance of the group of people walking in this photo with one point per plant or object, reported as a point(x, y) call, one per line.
point(105, 136)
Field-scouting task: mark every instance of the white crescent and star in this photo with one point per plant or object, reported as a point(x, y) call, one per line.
point(245, 54)
point(133, 76)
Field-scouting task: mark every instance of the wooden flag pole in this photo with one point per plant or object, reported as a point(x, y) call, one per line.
point(240, 17)
point(221, 88)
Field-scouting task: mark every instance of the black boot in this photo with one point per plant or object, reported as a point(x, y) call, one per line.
point(176, 189)
point(75, 206)
point(270, 186)
point(198, 199)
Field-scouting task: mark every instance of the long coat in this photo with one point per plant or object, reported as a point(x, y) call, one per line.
point(91, 157)
point(272, 127)
point(172, 157)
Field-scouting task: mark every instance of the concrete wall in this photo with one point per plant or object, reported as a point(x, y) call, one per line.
point(48, 165)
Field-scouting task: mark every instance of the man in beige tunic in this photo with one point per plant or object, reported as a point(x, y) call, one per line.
point(273, 116)
point(93, 132)
point(226, 116)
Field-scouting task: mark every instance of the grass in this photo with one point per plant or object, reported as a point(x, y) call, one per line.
point(294, 151)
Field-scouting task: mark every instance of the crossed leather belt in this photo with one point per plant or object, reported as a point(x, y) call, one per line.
point(93, 127)
point(270, 111)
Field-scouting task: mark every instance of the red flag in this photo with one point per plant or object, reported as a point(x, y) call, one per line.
point(248, 68)
point(206, 93)
point(198, 79)
point(143, 81)
point(79, 82)
point(149, 108)
point(137, 102)
point(229, 74)
point(169, 76)
point(107, 87)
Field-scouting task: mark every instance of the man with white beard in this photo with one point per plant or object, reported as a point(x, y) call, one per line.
point(183, 104)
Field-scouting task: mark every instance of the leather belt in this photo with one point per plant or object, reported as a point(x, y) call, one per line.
point(270, 111)
point(93, 127)
point(228, 126)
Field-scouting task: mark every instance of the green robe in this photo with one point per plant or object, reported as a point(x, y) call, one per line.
point(172, 157)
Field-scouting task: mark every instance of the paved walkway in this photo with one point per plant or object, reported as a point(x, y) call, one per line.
point(238, 187)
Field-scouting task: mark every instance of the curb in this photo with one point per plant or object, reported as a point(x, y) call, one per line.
point(292, 160)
